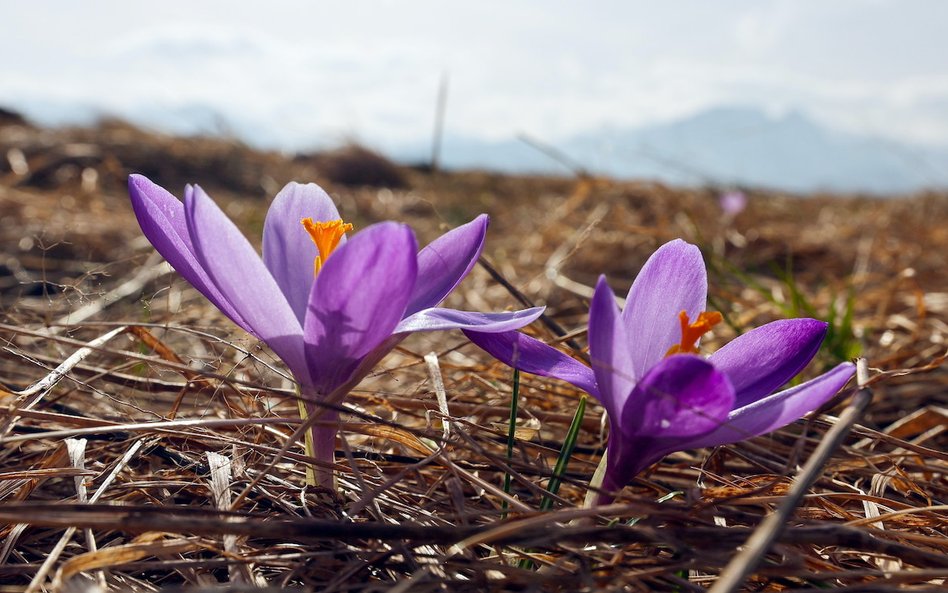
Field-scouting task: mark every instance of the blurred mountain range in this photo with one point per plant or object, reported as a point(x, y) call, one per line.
point(727, 146)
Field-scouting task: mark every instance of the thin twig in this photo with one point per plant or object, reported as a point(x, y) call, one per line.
point(548, 321)
point(30, 396)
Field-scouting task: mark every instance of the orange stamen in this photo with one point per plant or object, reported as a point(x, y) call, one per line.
point(326, 236)
point(692, 332)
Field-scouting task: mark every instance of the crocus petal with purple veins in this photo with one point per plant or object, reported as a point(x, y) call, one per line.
point(766, 357)
point(162, 219)
point(682, 396)
point(533, 356)
point(288, 251)
point(610, 350)
point(671, 281)
point(358, 299)
point(444, 262)
point(239, 274)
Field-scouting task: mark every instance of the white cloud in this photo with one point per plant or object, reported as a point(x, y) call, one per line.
point(298, 73)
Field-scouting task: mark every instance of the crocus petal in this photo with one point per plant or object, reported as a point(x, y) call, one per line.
point(671, 281)
point(288, 251)
point(775, 411)
point(610, 350)
point(682, 396)
point(357, 300)
point(766, 357)
point(340, 391)
point(438, 318)
point(533, 356)
point(161, 217)
point(444, 262)
point(239, 273)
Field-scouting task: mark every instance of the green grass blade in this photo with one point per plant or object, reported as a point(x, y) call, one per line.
point(569, 444)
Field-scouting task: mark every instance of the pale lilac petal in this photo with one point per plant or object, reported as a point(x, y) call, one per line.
point(766, 357)
point(533, 356)
point(161, 217)
point(239, 273)
point(444, 262)
point(437, 318)
point(776, 411)
point(357, 300)
point(288, 250)
point(610, 350)
point(671, 281)
point(682, 396)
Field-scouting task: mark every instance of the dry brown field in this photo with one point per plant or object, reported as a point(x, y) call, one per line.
point(180, 411)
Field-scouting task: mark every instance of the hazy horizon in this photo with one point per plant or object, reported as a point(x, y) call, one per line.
point(306, 75)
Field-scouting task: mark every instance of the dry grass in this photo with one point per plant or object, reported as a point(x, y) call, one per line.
point(179, 411)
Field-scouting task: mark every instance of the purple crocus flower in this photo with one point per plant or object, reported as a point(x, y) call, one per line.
point(659, 394)
point(732, 202)
point(330, 308)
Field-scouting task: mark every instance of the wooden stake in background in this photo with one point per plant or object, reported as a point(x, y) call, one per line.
point(439, 123)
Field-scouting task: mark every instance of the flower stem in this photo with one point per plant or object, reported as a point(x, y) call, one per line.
point(307, 443)
point(323, 437)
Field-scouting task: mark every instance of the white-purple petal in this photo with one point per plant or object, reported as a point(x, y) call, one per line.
point(610, 352)
point(288, 250)
point(533, 356)
point(444, 262)
point(239, 274)
point(357, 300)
point(671, 281)
point(437, 318)
point(763, 359)
point(162, 219)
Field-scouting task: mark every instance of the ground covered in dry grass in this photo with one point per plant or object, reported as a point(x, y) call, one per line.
point(139, 425)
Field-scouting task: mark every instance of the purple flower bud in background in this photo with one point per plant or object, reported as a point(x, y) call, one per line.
point(732, 202)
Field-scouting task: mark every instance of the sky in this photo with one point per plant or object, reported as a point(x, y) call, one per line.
point(309, 74)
